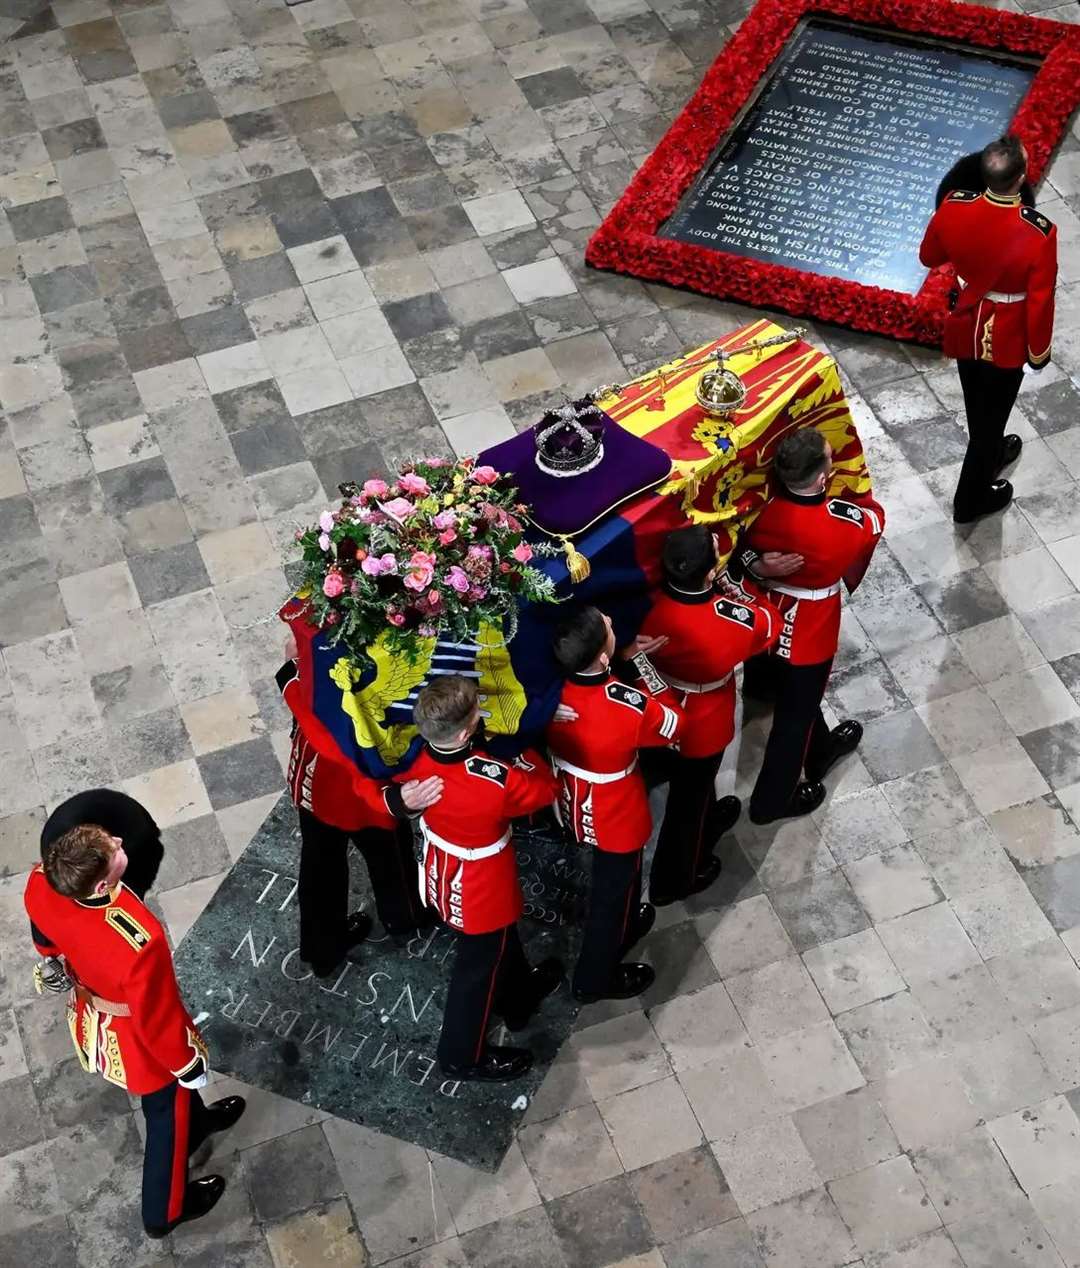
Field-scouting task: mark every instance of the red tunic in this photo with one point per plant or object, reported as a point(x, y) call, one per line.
point(480, 797)
point(708, 636)
point(836, 540)
point(614, 721)
point(996, 245)
point(336, 794)
point(115, 949)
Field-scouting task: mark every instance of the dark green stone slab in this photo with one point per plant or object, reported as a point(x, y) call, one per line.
point(362, 1046)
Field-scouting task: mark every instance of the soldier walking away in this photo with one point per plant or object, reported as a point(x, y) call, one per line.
point(470, 878)
point(603, 801)
point(108, 951)
point(1002, 315)
point(338, 806)
point(706, 636)
point(834, 540)
point(122, 817)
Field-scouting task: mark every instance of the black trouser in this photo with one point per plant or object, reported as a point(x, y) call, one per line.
point(176, 1125)
point(681, 847)
point(323, 892)
point(799, 735)
point(490, 975)
point(614, 898)
point(989, 395)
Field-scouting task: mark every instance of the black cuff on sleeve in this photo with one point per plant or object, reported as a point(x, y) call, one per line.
point(739, 565)
point(42, 941)
point(395, 802)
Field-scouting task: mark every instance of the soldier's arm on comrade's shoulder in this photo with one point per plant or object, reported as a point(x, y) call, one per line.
point(1039, 308)
point(159, 1016)
point(530, 785)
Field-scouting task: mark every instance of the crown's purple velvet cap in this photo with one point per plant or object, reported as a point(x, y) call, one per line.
point(567, 504)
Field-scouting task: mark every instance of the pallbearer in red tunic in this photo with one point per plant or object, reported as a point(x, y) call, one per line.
point(706, 637)
point(338, 805)
point(603, 801)
point(1005, 256)
point(830, 541)
point(126, 1017)
point(469, 877)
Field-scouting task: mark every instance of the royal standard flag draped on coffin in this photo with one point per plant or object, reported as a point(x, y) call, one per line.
point(362, 713)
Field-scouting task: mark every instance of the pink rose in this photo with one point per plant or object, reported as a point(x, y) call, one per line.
point(434, 462)
point(419, 570)
point(476, 593)
point(485, 475)
point(326, 521)
point(396, 618)
point(324, 542)
point(412, 483)
point(434, 600)
point(458, 579)
point(444, 519)
point(479, 552)
point(446, 538)
point(522, 552)
point(333, 584)
point(398, 508)
point(376, 565)
point(374, 489)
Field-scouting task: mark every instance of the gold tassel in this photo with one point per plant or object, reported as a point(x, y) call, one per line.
point(576, 563)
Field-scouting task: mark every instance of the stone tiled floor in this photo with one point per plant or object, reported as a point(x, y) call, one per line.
point(248, 251)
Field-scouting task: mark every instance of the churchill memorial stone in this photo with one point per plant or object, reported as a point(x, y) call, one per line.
point(362, 1046)
point(833, 167)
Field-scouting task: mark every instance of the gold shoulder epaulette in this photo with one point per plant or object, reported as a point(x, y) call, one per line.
point(962, 196)
point(127, 927)
point(1037, 219)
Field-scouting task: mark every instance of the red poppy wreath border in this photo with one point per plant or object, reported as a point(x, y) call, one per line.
point(627, 241)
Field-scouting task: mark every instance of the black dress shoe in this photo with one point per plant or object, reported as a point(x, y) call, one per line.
point(357, 928)
point(708, 874)
point(722, 818)
point(543, 979)
point(629, 980)
point(643, 921)
point(496, 1065)
point(843, 739)
point(997, 498)
point(1011, 447)
point(806, 798)
point(200, 1198)
point(223, 1114)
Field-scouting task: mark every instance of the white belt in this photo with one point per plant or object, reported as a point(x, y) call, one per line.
point(797, 592)
point(695, 688)
point(593, 776)
point(1000, 297)
point(470, 855)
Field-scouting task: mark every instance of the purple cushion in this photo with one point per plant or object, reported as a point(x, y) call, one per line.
point(567, 504)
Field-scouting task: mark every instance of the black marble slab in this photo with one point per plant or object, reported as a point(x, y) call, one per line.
point(833, 168)
point(362, 1047)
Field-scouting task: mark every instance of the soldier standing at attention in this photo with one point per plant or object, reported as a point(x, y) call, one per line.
point(469, 877)
point(706, 636)
point(338, 805)
point(835, 540)
point(603, 801)
point(125, 1013)
point(1005, 256)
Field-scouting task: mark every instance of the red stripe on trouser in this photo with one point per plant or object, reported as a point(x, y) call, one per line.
point(490, 999)
point(181, 1127)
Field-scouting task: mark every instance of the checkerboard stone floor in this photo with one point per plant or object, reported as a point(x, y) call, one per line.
point(247, 252)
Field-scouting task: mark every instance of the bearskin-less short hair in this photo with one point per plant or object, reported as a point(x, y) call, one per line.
point(75, 862)
point(689, 556)
point(800, 458)
point(578, 639)
point(444, 707)
point(1003, 164)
